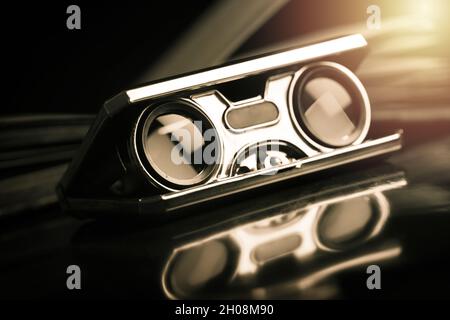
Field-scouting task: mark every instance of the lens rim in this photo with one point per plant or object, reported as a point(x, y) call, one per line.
point(230, 270)
point(183, 107)
point(381, 212)
point(297, 84)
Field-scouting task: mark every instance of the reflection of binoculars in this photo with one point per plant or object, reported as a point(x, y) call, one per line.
point(222, 131)
point(235, 257)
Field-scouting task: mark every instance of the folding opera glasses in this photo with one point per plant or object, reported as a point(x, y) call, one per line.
point(216, 133)
point(310, 238)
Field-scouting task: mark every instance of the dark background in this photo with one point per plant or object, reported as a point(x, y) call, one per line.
point(47, 68)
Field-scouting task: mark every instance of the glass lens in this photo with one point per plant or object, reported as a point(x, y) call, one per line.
point(330, 106)
point(346, 222)
point(194, 268)
point(181, 148)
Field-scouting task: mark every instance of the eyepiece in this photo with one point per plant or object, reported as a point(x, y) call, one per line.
point(177, 145)
point(329, 105)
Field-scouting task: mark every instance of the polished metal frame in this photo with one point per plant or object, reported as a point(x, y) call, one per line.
point(195, 89)
point(305, 224)
point(354, 80)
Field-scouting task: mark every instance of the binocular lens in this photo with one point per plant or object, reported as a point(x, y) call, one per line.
point(329, 106)
point(347, 222)
point(180, 145)
point(194, 268)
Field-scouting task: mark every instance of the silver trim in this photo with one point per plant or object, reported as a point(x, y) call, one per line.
point(308, 165)
point(305, 226)
point(261, 143)
point(243, 69)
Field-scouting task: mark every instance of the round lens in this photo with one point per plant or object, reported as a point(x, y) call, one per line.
point(196, 267)
point(347, 222)
point(199, 270)
point(180, 145)
point(329, 105)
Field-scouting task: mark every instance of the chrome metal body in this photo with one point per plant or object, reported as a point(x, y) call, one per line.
point(305, 166)
point(278, 92)
point(294, 232)
point(205, 92)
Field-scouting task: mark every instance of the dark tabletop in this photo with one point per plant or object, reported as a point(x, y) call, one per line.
point(312, 238)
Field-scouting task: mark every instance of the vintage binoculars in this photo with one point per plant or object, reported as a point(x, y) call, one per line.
point(216, 133)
